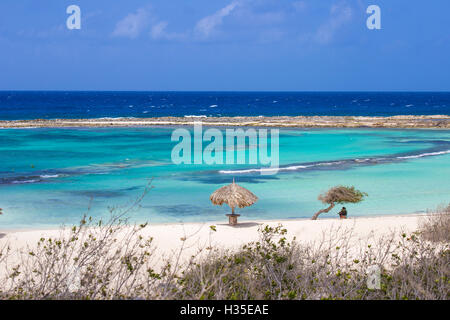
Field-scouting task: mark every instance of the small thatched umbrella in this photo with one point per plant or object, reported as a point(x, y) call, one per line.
point(234, 196)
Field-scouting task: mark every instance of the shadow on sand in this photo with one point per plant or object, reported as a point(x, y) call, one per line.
point(2, 235)
point(241, 225)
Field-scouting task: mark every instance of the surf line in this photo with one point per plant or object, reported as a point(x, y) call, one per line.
point(333, 164)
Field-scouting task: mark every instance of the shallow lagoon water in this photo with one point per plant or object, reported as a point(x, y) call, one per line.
point(50, 177)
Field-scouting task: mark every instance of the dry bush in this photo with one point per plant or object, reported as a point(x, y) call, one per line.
point(420, 270)
point(436, 226)
point(274, 268)
point(92, 261)
point(4, 252)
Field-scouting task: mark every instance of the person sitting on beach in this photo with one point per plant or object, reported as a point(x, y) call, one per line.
point(343, 213)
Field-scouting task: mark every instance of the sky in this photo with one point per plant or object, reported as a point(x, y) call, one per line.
point(225, 45)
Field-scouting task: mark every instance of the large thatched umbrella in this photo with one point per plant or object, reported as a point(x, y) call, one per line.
point(234, 196)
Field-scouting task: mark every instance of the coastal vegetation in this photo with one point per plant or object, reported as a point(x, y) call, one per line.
point(112, 260)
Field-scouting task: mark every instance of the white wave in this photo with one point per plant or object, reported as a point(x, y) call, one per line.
point(290, 168)
point(249, 170)
point(191, 116)
point(409, 105)
point(327, 163)
point(296, 167)
point(49, 176)
point(425, 155)
point(24, 181)
point(116, 118)
point(213, 106)
point(263, 170)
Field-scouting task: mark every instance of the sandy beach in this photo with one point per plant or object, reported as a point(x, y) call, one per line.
point(400, 121)
point(169, 239)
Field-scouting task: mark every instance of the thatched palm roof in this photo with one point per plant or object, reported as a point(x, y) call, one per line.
point(234, 196)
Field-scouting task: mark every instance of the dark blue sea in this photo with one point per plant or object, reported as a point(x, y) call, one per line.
point(16, 105)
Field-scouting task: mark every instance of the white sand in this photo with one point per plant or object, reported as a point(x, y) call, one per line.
point(167, 237)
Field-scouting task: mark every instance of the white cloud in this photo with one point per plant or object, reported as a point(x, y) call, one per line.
point(206, 26)
point(340, 14)
point(159, 32)
point(132, 25)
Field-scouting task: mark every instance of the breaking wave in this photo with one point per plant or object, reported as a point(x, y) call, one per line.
point(335, 164)
point(428, 154)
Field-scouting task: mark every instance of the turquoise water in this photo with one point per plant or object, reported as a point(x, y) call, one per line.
point(50, 177)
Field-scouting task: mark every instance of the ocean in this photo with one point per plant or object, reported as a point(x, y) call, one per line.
point(50, 177)
point(16, 105)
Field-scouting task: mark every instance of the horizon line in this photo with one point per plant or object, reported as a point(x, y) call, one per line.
point(236, 91)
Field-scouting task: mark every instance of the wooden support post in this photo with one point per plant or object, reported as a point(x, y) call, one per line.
point(232, 219)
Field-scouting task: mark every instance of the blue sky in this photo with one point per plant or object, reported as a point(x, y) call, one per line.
point(277, 45)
